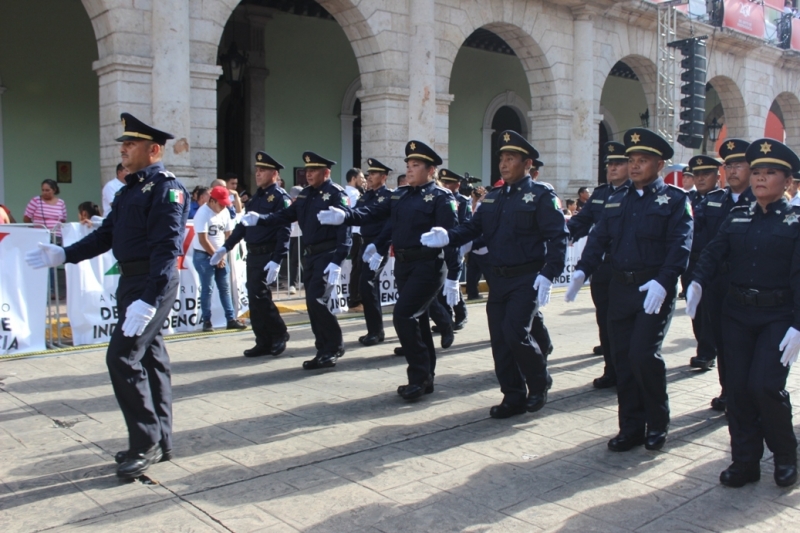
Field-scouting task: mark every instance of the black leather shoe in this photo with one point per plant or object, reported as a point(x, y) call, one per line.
point(235, 324)
point(460, 323)
point(279, 346)
point(412, 391)
point(399, 351)
point(166, 455)
point(720, 403)
point(701, 363)
point(312, 364)
point(257, 351)
point(597, 350)
point(655, 439)
point(448, 337)
point(739, 474)
point(371, 340)
point(535, 401)
point(604, 382)
point(137, 463)
point(785, 475)
point(505, 410)
point(624, 443)
point(207, 327)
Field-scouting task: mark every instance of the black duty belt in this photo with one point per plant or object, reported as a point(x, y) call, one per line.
point(257, 249)
point(758, 298)
point(318, 248)
point(517, 270)
point(134, 268)
point(631, 278)
point(406, 255)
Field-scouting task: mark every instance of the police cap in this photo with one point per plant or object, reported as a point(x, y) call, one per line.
point(769, 153)
point(313, 160)
point(423, 152)
point(647, 141)
point(448, 175)
point(134, 129)
point(703, 162)
point(263, 159)
point(376, 166)
point(733, 150)
point(615, 152)
point(511, 141)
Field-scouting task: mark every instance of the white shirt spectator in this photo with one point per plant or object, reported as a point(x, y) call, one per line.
point(213, 224)
point(795, 199)
point(353, 194)
point(109, 191)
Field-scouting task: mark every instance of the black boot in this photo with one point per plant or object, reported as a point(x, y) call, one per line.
point(740, 473)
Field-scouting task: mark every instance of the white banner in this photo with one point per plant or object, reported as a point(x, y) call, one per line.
point(23, 291)
point(574, 252)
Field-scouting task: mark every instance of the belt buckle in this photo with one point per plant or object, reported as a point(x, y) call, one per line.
point(630, 277)
point(751, 297)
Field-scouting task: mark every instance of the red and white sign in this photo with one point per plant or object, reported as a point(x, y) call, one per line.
point(745, 16)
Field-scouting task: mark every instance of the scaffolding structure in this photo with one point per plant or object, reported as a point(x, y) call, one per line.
point(666, 70)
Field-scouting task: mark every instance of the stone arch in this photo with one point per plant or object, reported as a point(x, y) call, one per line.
point(733, 105)
point(790, 107)
point(647, 72)
point(347, 117)
point(506, 99)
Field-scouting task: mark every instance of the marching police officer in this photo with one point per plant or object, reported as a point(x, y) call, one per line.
point(324, 249)
point(526, 235)
point(145, 230)
point(369, 282)
point(646, 229)
point(760, 315)
point(266, 247)
point(420, 272)
point(706, 178)
point(579, 226)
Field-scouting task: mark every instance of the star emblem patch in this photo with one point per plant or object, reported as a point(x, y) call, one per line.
point(528, 198)
point(635, 138)
point(766, 148)
point(413, 146)
point(611, 148)
point(308, 159)
point(326, 196)
point(506, 137)
point(731, 145)
point(260, 157)
point(147, 187)
point(381, 199)
point(791, 218)
point(428, 198)
point(663, 199)
point(270, 197)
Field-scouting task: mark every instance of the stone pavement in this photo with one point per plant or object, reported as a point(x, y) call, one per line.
point(262, 445)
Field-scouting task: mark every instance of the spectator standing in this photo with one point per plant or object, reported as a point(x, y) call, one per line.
point(583, 197)
point(571, 208)
point(232, 183)
point(354, 180)
point(111, 188)
point(794, 194)
point(401, 180)
point(199, 197)
point(89, 214)
point(46, 209)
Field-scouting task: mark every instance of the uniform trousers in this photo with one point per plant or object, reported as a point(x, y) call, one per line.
point(599, 285)
point(418, 283)
point(440, 313)
point(139, 368)
point(636, 340)
point(266, 320)
point(476, 265)
point(327, 333)
point(370, 289)
point(759, 408)
point(712, 308)
point(519, 362)
point(354, 297)
point(704, 337)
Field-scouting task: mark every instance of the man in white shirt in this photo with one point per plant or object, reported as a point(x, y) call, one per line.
point(793, 190)
point(353, 189)
point(110, 189)
point(212, 225)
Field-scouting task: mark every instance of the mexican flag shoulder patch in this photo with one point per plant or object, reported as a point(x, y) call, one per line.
point(454, 206)
point(176, 196)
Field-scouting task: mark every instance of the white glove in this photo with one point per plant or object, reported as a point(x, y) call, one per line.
point(218, 256)
point(272, 269)
point(655, 296)
point(543, 285)
point(47, 256)
point(435, 238)
point(96, 221)
point(375, 261)
point(790, 346)
point(250, 219)
point(369, 251)
point(575, 284)
point(333, 271)
point(693, 295)
point(332, 217)
point(137, 316)
point(451, 292)
point(466, 248)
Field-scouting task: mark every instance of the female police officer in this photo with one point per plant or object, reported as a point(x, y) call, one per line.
point(761, 312)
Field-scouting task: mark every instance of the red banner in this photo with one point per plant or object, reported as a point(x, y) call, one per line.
point(745, 16)
point(775, 4)
point(795, 34)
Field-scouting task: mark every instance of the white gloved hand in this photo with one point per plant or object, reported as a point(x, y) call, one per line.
point(435, 238)
point(333, 271)
point(137, 316)
point(790, 346)
point(218, 256)
point(250, 219)
point(543, 285)
point(369, 251)
point(655, 296)
point(375, 261)
point(575, 284)
point(451, 292)
point(693, 295)
point(96, 221)
point(332, 217)
point(272, 270)
point(47, 256)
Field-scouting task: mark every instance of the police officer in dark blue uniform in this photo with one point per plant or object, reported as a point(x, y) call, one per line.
point(420, 272)
point(266, 248)
point(706, 179)
point(369, 282)
point(324, 249)
point(579, 226)
point(761, 315)
point(646, 229)
point(526, 234)
point(145, 230)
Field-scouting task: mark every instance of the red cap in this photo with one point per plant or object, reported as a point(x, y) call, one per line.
point(221, 195)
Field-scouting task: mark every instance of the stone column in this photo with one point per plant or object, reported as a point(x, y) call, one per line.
point(171, 83)
point(584, 131)
point(551, 132)
point(422, 71)
point(442, 142)
point(255, 93)
point(384, 126)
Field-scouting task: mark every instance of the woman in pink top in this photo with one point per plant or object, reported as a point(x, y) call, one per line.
point(46, 209)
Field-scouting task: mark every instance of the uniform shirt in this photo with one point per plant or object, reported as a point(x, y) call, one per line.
point(464, 211)
point(147, 221)
point(521, 223)
point(411, 212)
point(214, 225)
point(651, 231)
point(581, 222)
point(304, 211)
point(763, 250)
point(353, 195)
point(109, 191)
point(370, 230)
point(266, 200)
point(712, 212)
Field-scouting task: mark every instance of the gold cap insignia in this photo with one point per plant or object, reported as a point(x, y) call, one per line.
point(260, 157)
point(308, 159)
point(369, 162)
point(766, 148)
point(611, 148)
point(635, 138)
point(413, 146)
point(506, 137)
point(731, 145)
